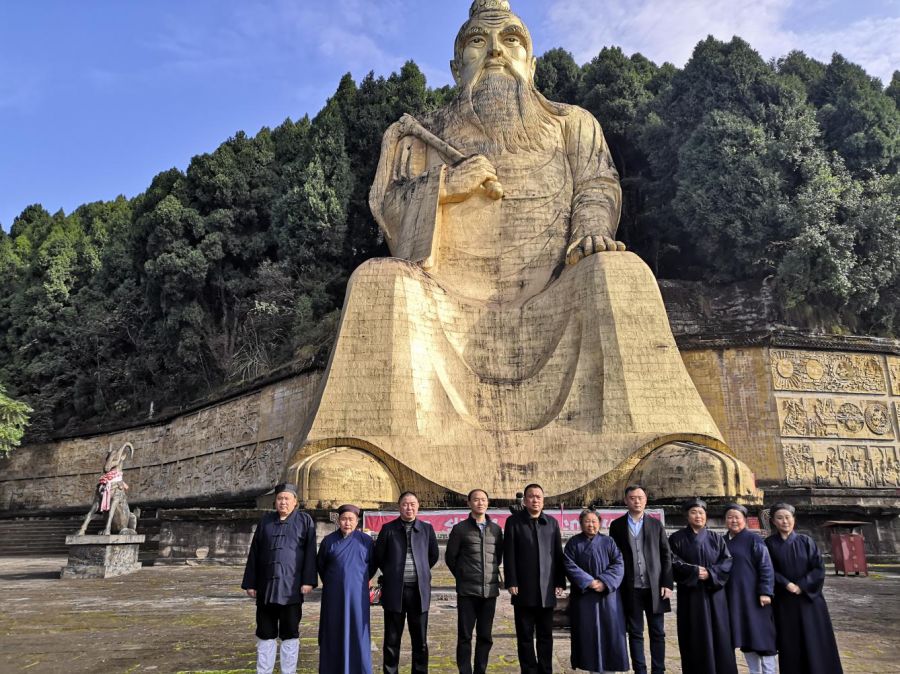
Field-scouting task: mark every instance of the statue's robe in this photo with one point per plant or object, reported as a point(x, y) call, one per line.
point(476, 356)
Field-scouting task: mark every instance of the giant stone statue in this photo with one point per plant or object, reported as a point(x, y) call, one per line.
point(510, 338)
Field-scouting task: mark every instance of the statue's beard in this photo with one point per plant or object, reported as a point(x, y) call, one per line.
point(507, 112)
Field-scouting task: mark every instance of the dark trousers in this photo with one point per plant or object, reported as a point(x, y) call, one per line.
point(477, 613)
point(641, 604)
point(417, 620)
point(278, 621)
point(534, 623)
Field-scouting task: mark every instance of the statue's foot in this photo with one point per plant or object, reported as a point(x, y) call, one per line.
point(344, 475)
point(682, 470)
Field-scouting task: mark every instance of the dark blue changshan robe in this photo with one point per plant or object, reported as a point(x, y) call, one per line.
point(282, 558)
point(344, 642)
point(704, 630)
point(597, 618)
point(806, 643)
point(752, 625)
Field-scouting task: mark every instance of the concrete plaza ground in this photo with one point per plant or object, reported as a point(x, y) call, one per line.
point(195, 619)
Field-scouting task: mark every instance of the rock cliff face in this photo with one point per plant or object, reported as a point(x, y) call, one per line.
point(698, 310)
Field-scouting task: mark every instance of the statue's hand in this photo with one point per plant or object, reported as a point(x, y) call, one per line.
point(466, 179)
point(589, 245)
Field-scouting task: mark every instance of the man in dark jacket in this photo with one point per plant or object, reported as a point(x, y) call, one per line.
point(474, 552)
point(535, 575)
point(647, 587)
point(405, 551)
point(281, 568)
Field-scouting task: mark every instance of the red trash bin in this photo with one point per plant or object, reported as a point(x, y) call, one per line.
point(848, 547)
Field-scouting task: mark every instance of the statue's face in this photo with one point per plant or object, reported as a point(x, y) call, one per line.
point(493, 43)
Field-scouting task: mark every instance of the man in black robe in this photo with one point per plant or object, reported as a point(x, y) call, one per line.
point(281, 568)
point(647, 587)
point(535, 575)
point(701, 564)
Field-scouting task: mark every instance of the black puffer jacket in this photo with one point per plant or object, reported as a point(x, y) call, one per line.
point(474, 557)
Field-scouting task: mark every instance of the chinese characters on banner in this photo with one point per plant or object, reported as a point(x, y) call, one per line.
point(443, 520)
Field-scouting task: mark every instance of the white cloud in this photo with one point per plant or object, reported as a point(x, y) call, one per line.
point(668, 30)
point(873, 44)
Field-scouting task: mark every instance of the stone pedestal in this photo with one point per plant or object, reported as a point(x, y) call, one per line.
point(102, 556)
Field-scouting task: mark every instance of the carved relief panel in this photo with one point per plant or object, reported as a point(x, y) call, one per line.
point(826, 372)
point(840, 464)
point(843, 431)
point(835, 417)
point(893, 363)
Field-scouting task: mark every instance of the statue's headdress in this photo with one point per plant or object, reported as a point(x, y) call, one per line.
point(489, 5)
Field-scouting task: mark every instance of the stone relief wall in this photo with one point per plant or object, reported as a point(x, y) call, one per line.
point(837, 417)
point(797, 417)
point(225, 450)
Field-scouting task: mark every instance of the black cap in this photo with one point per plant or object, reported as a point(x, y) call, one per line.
point(736, 506)
point(695, 502)
point(348, 508)
point(286, 487)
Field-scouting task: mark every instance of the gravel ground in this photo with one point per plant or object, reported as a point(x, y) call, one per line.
point(196, 619)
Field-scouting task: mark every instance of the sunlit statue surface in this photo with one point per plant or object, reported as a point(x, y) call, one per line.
point(510, 338)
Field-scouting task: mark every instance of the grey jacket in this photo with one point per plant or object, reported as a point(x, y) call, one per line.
point(474, 557)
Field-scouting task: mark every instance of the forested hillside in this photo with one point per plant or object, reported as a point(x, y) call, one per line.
point(733, 169)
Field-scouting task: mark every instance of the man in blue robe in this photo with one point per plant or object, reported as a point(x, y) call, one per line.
point(805, 637)
point(595, 568)
point(750, 589)
point(701, 564)
point(405, 551)
point(281, 568)
point(344, 561)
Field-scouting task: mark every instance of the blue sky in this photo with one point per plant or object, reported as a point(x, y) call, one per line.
point(98, 96)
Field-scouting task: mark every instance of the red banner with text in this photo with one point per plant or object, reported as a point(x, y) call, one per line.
point(443, 520)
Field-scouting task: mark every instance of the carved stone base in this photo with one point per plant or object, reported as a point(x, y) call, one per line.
point(102, 556)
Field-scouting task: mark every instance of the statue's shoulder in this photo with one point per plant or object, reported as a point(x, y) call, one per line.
point(574, 116)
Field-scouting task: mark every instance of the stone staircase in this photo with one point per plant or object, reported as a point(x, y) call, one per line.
point(46, 536)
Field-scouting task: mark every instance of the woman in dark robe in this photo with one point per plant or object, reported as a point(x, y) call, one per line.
point(750, 588)
point(701, 564)
point(594, 565)
point(806, 643)
point(343, 564)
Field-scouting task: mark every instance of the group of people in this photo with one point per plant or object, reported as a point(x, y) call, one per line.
point(734, 591)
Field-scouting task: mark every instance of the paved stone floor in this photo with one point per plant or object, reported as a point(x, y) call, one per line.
point(195, 619)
